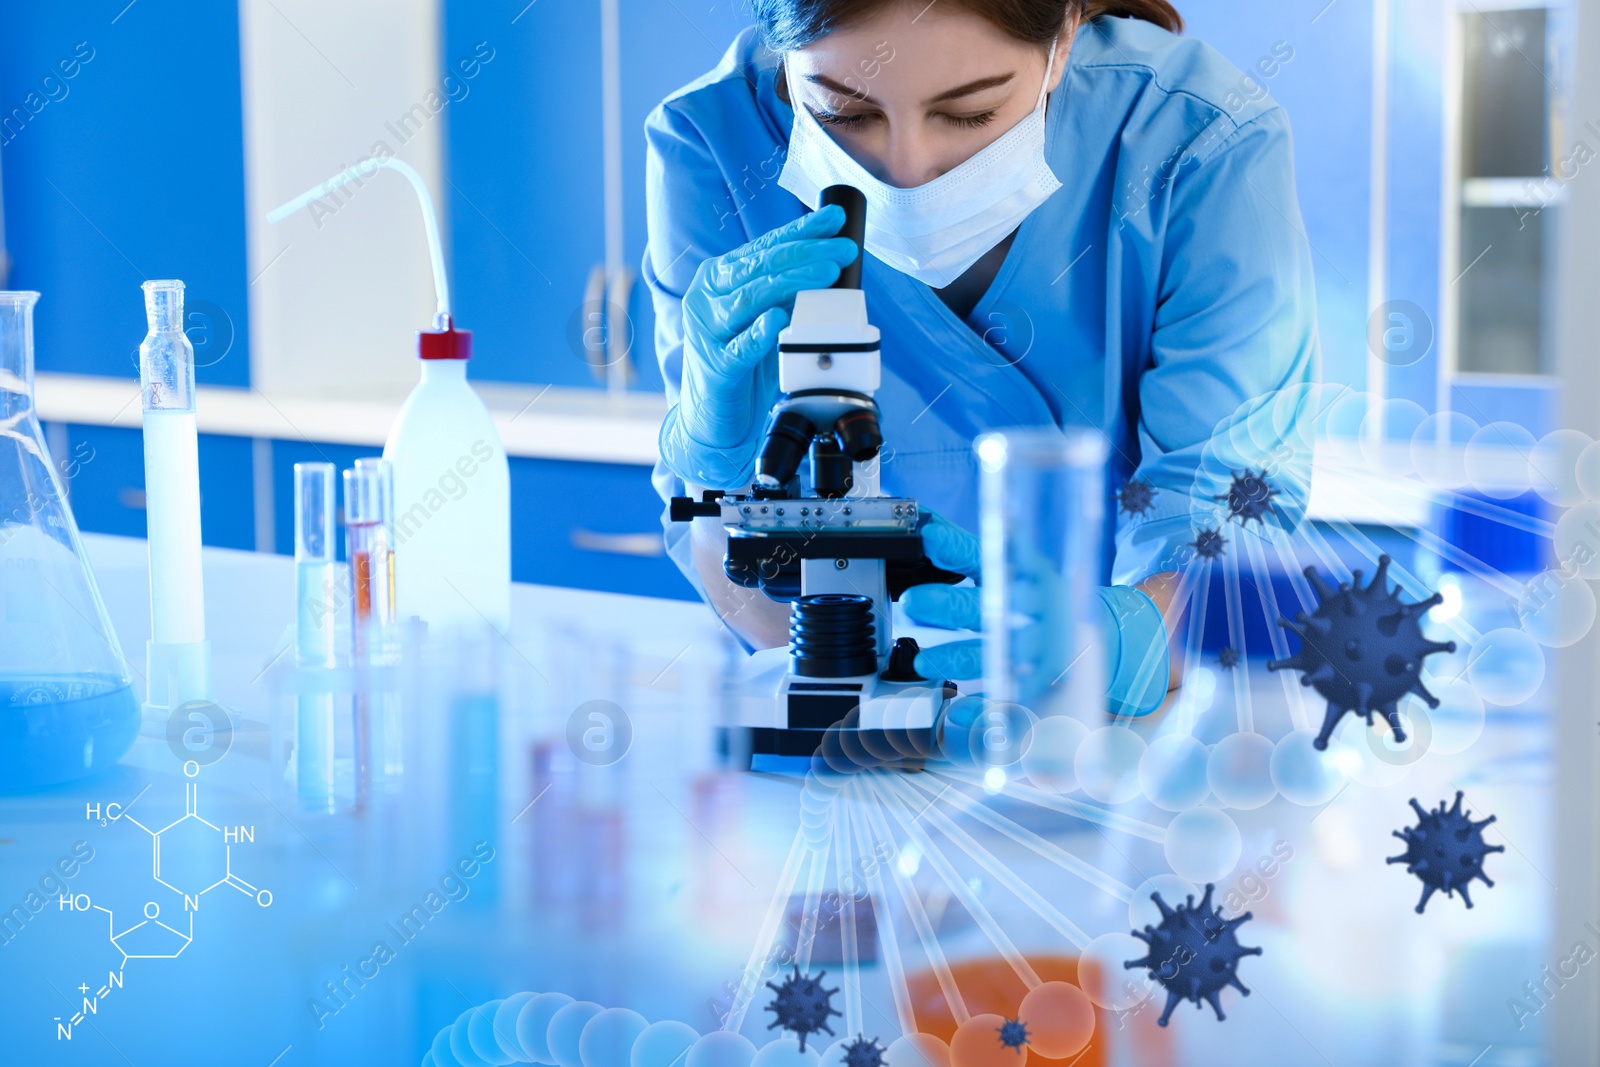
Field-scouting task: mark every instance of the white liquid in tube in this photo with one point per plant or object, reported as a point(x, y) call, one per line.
point(172, 511)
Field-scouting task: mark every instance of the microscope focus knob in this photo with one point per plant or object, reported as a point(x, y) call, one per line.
point(903, 662)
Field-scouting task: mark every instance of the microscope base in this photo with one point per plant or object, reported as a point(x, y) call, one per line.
point(743, 746)
point(858, 721)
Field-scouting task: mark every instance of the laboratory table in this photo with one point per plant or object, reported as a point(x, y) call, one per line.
point(216, 915)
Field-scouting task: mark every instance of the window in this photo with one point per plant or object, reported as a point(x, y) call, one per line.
point(1512, 188)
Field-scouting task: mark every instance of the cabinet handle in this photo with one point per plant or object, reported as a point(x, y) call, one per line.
point(646, 545)
point(594, 321)
point(619, 330)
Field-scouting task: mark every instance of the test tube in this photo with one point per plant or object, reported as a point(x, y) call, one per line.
point(317, 601)
point(369, 547)
point(1042, 502)
point(178, 656)
point(315, 586)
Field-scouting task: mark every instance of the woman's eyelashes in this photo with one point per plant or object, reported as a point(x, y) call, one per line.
point(970, 122)
point(855, 120)
point(839, 118)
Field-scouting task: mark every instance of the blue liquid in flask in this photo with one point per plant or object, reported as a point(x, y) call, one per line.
point(66, 707)
point(55, 729)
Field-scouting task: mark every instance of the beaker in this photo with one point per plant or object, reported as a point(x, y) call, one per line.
point(1042, 496)
point(66, 706)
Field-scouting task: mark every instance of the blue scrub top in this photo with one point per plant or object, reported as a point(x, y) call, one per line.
point(1163, 295)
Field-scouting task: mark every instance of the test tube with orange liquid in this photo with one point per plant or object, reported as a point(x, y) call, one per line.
point(369, 547)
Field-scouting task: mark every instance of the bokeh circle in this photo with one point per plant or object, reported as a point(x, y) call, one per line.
point(1202, 845)
point(1107, 764)
point(1172, 773)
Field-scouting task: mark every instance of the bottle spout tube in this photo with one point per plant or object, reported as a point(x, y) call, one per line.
point(430, 217)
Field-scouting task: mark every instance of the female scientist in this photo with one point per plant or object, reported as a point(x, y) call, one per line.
point(1075, 217)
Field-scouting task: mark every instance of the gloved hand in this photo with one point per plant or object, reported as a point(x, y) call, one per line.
point(732, 314)
point(1131, 625)
point(948, 607)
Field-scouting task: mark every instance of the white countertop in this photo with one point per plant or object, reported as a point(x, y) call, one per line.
point(543, 422)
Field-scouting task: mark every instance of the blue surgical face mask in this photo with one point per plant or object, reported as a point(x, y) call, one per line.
point(937, 230)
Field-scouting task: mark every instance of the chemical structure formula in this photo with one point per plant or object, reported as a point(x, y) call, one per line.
point(184, 861)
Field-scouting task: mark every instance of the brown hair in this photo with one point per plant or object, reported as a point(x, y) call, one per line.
point(1159, 12)
point(787, 24)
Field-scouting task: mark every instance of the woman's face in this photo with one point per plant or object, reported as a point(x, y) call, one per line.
point(919, 87)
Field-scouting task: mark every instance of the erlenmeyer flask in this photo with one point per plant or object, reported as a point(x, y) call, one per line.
point(66, 706)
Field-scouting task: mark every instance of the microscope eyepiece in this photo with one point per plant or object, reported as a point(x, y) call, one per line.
point(854, 202)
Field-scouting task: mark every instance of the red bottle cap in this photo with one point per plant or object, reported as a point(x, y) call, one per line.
point(448, 343)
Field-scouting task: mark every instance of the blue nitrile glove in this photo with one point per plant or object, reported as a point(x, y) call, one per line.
point(732, 313)
point(1131, 624)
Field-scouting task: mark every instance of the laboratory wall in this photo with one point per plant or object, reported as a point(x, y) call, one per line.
point(150, 140)
point(341, 290)
point(121, 153)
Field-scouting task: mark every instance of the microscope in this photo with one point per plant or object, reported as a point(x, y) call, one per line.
point(831, 546)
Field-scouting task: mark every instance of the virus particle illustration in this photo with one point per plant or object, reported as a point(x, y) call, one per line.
point(1193, 953)
point(802, 1006)
point(1013, 1034)
point(1249, 497)
point(864, 1053)
point(1362, 649)
point(1445, 850)
point(1208, 544)
point(1228, 657)
point(1136, 497)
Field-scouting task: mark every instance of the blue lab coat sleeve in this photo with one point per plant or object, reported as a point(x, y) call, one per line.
point(1234, 352)
point(683, 179)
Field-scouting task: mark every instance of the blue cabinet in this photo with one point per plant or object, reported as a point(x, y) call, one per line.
point(525, 156)
point(103, 470)
point(121, 133)
point(524, 198)
point(596, 525)
point(664, 47)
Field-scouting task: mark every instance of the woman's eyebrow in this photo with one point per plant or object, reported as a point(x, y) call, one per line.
point(834, 87)
point(971, 87)
point(976, 86)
